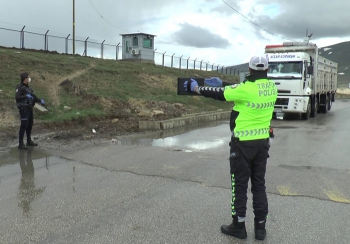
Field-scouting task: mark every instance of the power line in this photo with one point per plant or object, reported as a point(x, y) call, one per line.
point(252, 21)
point(31, 27)
point(104, 18)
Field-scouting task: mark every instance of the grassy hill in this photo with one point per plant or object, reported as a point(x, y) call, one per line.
point(77, 89)
point(339, 53)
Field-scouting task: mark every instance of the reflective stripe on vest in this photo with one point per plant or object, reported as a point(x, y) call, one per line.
point(260, 105)
point(255, 132)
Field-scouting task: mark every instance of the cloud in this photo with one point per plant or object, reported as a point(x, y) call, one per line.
point(226, 8)
point(206, 29)
point(199, 37)
point(295, 17)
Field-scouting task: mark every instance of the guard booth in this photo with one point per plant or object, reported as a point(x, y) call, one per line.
point(138, 46)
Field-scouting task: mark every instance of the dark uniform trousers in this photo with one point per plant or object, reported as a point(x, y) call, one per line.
point(26, 114)
point(248, 159)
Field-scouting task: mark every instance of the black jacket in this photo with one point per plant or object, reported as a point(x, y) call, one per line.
point(21, 99)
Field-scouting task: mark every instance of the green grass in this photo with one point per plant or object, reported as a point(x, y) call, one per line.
point(72, 115)
point(101, 82)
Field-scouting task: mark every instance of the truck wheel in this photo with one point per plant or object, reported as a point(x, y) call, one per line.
point(314, 106)
point(329, 101)
point(306, 116)
point(318, 104)
point(326, 107)
point(325, 101)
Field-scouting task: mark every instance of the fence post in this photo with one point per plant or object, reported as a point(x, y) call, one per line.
point(116, 53)
point(85, 51)
point(206, 66)
point(180, 62)
point(222, 69)
point(194, 62)
point(21, 41)
point(163, 58)
point(212, 67)
point(154, 55)
point(217, 68)
point(201, 65)
point(102, 49)
point(172, 58)
point(187, 62)
point(46, 48)
point(67, 44)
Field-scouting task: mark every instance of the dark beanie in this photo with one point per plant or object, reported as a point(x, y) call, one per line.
point(24, 75)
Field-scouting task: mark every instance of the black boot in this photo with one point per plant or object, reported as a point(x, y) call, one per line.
point(236, 229)
point(22, 146)
point(31, 143)
point(260, 231)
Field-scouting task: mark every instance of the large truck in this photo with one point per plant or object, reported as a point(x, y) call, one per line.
point(306, 82)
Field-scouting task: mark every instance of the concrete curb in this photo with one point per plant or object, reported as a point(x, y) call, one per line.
point(177, 122)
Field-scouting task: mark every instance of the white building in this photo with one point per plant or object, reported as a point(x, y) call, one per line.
point(138, 47)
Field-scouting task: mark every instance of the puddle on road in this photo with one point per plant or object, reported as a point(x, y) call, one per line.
point(207, 136)
point(49, 193)
point(28, 176)
point(187, 138)
point(24, 169)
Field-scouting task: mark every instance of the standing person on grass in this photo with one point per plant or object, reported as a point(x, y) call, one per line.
point(26, 100)
point(250, 120)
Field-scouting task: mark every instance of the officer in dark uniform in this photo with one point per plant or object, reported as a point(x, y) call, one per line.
point(251, 116)
point(26, 100)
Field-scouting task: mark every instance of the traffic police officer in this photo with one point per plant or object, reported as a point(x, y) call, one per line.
point(250, 120)
point(26, 100)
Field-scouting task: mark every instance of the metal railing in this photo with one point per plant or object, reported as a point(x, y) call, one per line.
point(51, 43)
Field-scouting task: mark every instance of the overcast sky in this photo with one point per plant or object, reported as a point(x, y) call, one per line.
point(208, 30)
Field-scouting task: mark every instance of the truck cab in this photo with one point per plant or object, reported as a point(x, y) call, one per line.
point(305, 81)
point(292, 79)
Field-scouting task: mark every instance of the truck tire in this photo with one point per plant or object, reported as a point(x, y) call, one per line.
point(326, 108)
point(306, 115)
point(329, 101)
point(318, 100)
point(325, 101)
point(314, 106)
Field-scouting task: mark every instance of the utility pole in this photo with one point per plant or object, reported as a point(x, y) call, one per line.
point(73, 27)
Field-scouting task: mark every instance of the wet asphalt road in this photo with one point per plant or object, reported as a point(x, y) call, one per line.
point(173, 187)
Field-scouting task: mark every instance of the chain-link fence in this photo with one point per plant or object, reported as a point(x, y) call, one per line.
point(64, 45)
point(187, 63)
point(49, 43)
